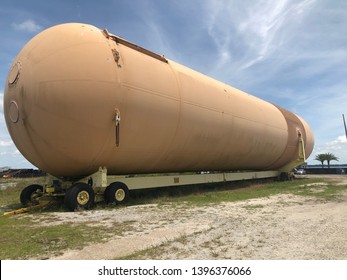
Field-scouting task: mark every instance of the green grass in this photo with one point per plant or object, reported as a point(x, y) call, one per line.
point(236, 191)
point(21, 239)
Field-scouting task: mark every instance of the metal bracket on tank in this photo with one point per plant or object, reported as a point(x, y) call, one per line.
point(301, 156)
point(117, 124)
point(128, 44)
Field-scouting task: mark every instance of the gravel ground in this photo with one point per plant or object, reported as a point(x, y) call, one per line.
point(277, 227)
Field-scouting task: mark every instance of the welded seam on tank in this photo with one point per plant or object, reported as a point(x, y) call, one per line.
point(157, 93)
point(288, 116)
point(176, 134)
point(162, 95)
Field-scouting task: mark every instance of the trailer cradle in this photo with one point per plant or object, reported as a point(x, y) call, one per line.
point(83, 193)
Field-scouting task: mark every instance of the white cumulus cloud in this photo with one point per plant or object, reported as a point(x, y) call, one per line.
point(4, 143)
point(1, 103)
point(338, 147)
point(27, 26)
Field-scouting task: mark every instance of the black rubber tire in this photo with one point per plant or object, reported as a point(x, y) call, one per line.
point(79, 196)
point(29, 195)
point(117, 193)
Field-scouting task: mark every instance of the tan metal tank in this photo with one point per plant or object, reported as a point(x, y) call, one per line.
point(77, 98)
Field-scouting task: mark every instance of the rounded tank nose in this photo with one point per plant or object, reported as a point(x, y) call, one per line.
point(63, 75)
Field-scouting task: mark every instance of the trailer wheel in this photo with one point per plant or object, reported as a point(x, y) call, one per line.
point(79, 196)
point(30, 194)
point(116, 192)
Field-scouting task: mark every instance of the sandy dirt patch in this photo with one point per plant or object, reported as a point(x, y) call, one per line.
point(276, 227)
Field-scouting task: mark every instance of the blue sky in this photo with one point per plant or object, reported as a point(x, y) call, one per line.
point(289, 52)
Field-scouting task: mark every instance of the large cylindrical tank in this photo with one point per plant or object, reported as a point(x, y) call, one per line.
point(77, 98)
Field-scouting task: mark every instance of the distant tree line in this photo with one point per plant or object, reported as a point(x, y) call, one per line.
point(326, 157)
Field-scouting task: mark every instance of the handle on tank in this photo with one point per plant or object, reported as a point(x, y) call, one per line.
point(117, 124)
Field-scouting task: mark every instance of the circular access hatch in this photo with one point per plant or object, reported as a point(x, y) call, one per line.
point(13, 111)
point(14, 74)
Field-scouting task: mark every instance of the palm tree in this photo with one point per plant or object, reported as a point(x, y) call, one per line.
point(329, 157)
point(321, 158)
